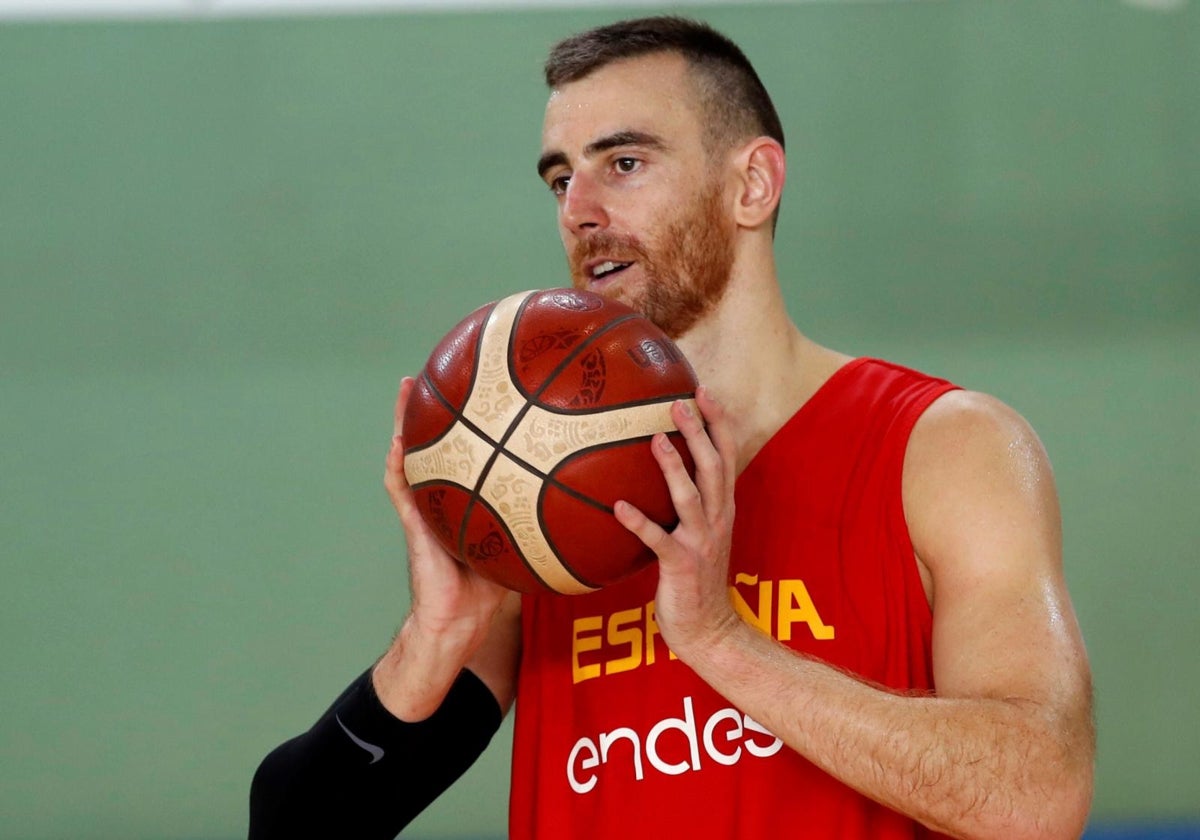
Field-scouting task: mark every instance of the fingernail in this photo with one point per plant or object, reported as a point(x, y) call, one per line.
point(687, 408)
point(664, 443)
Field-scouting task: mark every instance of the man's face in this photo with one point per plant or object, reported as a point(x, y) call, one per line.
point(641, 203)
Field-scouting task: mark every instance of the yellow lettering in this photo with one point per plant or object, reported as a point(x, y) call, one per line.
point(581, 644)
point(623, 641)
point(618, 635)
point(762, 618)
point(796, 605)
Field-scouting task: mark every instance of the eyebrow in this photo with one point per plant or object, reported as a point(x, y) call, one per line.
point(603, 144)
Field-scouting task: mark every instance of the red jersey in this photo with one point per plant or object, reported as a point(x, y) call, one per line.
point(617, 739)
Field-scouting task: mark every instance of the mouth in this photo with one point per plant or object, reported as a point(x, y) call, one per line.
point(604, 270)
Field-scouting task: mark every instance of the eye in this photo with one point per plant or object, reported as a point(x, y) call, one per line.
point(558, 184)
point(626, 165)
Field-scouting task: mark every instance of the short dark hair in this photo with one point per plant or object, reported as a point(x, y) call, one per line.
point(736, 102)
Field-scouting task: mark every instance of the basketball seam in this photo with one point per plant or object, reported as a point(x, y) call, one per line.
point(474, 497)
point(548, 380)
point(512, 541)
point(570, 357)
point(572, 412)
point(440, 397)
point(551, 481)
point(500, 447)
point(458, 417)
point(559, 368)
point(547, 482)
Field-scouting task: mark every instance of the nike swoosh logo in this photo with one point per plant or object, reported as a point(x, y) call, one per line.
point(376, 752)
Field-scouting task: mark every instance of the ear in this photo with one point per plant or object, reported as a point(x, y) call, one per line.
point(761, 170)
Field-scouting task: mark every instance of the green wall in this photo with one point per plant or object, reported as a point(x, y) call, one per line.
point(222, 244)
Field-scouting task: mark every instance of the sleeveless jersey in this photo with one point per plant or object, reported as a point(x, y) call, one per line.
point(615, 738)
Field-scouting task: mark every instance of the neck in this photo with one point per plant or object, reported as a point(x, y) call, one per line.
point(753, 358)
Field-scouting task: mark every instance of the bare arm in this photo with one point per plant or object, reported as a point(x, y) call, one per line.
point(1005, 748)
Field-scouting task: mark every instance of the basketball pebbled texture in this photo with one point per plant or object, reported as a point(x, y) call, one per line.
point(531, 418)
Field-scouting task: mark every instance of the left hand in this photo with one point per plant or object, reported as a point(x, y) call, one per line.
point(692, 607)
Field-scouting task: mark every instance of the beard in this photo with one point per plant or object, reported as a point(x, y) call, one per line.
point(686, 268)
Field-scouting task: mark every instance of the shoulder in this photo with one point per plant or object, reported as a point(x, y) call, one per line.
point(968, 423)
point(963, 431)
point(975, 473)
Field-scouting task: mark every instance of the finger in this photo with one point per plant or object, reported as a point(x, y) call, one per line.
point(406, 387)
point(417, 533)
point(720, 434)
point(642, 527)
point(393, 476)
point(396, 483)
point(685, 496)
point(711, 476)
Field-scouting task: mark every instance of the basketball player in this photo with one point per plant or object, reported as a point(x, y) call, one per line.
point(860, 627)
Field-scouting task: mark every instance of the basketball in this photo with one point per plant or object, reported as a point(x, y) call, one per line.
point(531, 419)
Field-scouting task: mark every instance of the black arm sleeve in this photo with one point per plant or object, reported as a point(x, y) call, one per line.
point(361, 772)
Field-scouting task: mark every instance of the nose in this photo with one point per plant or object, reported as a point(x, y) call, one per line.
point(583, 209)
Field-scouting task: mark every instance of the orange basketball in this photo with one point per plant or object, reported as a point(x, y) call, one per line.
point(530, 420)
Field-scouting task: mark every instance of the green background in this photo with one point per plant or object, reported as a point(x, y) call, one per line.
point(222, 243)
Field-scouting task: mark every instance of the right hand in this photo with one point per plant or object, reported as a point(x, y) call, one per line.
point(449, 600)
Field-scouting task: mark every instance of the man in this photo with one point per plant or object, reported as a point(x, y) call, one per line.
point(879, 644)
